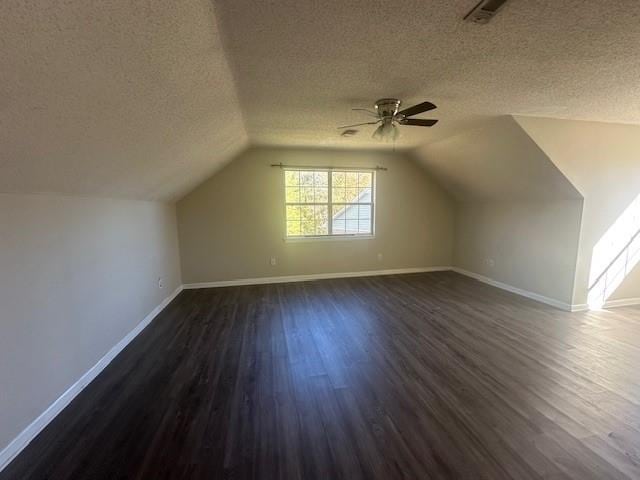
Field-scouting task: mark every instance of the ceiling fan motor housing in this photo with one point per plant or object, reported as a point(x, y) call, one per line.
point(387, 107)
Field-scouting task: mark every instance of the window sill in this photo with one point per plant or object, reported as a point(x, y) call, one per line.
point(328, 238)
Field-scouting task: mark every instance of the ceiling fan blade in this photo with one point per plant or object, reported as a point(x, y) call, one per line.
point(418, 122)
point(358, 124)
point(416, 109)
point(367, 111)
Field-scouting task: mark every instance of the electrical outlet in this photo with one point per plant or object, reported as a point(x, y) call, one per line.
point(491, 262)
point(160, 282)
point(273, 261)
point(380, 257)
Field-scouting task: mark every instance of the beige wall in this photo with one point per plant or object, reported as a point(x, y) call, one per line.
point(603, 161)
point(517, 215)
point(231, 225)
point(529, 245)
point(76, 275)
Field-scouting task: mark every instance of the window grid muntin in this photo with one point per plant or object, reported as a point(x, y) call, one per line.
point(329, 173)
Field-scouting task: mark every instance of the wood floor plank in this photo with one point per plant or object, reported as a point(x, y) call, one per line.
point(425, 376)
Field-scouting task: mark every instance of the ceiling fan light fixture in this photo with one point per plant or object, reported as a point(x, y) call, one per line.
point(390, 117)
point(387, 132)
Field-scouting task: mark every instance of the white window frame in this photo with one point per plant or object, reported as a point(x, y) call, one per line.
point(330, 204)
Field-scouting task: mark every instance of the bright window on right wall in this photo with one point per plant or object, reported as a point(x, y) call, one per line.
point(329, 203)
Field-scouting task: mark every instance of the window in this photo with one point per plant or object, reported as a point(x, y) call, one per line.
point(322, 203)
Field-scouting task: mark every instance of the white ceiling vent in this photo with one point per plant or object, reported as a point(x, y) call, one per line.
point(484, 11)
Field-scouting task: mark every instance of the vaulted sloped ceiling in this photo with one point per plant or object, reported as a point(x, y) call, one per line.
point(496, 160)
point(138, 98)
point(129, 98)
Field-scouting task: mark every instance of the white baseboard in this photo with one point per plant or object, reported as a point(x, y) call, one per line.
point(622, 302)
point(315, 276)
point(579, 307)
point(28, 434)
point(519, 291)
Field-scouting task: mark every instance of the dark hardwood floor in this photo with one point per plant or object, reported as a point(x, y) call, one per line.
point(410, 376)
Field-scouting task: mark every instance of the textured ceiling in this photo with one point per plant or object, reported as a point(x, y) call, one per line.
point(129, 98)
point(497, 161)
point(146, 98)
point(301, 65)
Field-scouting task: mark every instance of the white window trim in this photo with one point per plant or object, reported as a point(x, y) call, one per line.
point(332, 237)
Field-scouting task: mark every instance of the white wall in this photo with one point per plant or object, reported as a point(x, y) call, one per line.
point(232, 224)
point(76, 275)
point(602, 160)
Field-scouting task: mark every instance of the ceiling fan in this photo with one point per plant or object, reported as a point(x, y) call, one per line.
point(389, 117)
